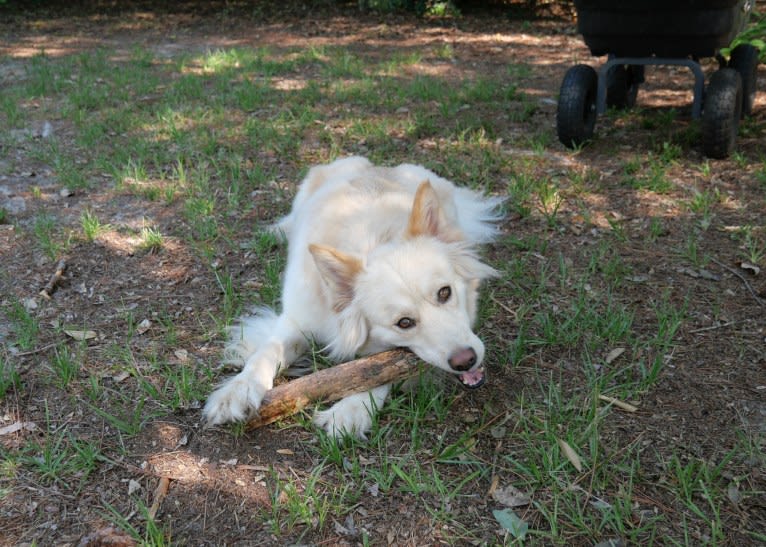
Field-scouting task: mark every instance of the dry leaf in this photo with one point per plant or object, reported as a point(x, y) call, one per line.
point(710, 276)
point(751, 268)
point(121, 376)
point(81, 334)
point(143, 326)
point(571, 455)
point(614, 354)
point(133, 487)
point(107, 536)
point(619, 404)
point(17, 426)
point(510, 496)
point(733, 493)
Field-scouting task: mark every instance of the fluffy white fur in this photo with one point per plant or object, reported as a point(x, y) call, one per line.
point(367, 247)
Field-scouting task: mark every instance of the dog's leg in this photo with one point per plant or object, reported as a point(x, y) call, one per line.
point(353, 414)
point(242, 394)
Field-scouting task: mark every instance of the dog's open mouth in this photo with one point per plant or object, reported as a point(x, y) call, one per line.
point(473, 378)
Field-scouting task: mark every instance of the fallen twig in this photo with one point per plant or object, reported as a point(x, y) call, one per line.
point(54, 280)
point(37, 350)
point(713, 327)
point(159, 494)
point(755, 296)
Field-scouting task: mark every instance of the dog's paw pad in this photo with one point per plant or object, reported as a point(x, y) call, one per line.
point(234, 401)
point(345, 417)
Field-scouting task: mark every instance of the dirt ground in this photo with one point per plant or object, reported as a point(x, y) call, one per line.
point(713, 387)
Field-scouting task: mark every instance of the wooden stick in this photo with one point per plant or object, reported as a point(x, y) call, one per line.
point(159, 494)
point(757, 298)
point(334, 383)
point(53, 281)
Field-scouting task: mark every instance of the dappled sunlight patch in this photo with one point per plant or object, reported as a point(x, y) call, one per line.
point(245, 482)
point(289, 84)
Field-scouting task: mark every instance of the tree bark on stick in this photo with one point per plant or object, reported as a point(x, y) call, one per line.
point(334, 383)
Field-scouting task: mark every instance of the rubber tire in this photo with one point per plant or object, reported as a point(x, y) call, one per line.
point(744, 59)
point(621, 89)
point(576, 112)
point(720, 117)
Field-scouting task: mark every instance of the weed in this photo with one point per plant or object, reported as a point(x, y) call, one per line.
point(199, 213)
point(128, 422)
point(701, 204)
point(9, 377)
point(691, 252)
point(753, 248)
point(306, 503)
point(66, 366)
point(231, 300)
point(13, 115)
point(91, 225)
point(24, 326)
point(152, 240)
point(519, 190)
point(44, 227)
point(656, 229)
point(651, 175)
point(550, 201)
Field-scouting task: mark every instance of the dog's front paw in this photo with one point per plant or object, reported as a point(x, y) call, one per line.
point(349, 415)
point(233, 401)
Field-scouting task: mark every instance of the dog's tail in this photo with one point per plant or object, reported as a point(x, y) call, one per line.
point(478, 215)
point(248, 334)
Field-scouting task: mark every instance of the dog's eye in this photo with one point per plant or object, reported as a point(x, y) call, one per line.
point(443, 295)
point(405, 323)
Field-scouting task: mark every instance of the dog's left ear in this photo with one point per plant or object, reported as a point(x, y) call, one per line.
point(427, 218)
point(339, 271)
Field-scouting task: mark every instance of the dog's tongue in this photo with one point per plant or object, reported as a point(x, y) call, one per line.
point(473, 378)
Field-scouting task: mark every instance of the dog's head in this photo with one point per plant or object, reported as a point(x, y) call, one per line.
point(419, 292)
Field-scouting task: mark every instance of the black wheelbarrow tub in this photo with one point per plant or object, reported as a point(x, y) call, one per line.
point(662, 28)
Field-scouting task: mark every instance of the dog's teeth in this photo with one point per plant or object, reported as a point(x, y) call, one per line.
point(473, 378)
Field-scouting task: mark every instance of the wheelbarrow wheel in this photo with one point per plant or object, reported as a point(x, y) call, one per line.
point(744, 59)
point(622, 86)
point(720, 117)
point(576, 113)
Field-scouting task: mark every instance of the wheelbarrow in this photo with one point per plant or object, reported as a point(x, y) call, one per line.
point(660, 32)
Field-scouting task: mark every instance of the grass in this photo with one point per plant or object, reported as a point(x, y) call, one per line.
point(207, 146)
point(24, 325)
point(91, 225)
point(9, 377)
point(152, 239)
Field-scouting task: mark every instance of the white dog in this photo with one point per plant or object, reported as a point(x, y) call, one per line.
point(378, 258)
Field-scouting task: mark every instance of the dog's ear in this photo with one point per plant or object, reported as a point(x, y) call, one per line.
point(468, 266)
point(339, 271)
point(427, 218)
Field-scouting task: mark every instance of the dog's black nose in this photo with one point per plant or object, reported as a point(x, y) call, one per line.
point(462, 359)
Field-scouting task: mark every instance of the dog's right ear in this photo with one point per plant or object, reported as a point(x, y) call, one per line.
point(339, 271)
